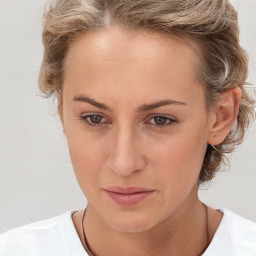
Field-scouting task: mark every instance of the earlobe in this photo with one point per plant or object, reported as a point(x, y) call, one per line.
point(224, 116)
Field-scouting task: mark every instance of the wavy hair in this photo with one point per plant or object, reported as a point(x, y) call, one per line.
point(211, 24)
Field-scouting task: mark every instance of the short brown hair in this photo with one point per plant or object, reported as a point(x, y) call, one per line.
point(212, 24)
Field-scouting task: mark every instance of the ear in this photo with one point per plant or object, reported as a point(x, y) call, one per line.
point(224, 116)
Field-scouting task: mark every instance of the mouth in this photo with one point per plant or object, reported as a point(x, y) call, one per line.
point(127, 196)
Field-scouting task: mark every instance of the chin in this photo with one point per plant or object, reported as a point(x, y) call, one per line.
point(131, 224)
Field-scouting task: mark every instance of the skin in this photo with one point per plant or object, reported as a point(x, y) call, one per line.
point(124, 70)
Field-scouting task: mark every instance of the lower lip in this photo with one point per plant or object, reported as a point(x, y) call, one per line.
point(128, 199)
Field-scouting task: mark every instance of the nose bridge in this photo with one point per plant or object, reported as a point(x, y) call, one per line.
point(126, 156)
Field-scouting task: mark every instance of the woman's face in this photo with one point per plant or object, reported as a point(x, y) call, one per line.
point(134, 116)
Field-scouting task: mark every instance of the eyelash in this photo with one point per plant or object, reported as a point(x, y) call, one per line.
point(171, 122)
point(84, 119)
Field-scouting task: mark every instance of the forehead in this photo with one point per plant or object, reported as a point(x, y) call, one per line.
point(107, 44)
point(115, 57)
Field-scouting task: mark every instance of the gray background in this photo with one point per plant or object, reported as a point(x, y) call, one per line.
point(36, 176)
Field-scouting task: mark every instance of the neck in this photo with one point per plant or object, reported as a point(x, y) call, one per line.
point(183, 233)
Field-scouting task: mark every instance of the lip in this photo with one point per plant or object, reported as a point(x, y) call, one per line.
point(127, 195)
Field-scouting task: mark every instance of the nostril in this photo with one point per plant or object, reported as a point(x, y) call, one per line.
point(128, 166)
point(122, 169)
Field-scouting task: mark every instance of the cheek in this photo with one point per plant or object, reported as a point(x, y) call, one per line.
point(88, 156)
point(177, 161)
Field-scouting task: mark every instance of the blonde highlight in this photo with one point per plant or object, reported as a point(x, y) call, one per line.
point(212, 25)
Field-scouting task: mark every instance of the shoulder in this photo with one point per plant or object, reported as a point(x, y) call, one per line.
point(239, 226)
point(32, 238)
point(235, 236)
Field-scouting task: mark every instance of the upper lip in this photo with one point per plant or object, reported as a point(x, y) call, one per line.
point(127, 190)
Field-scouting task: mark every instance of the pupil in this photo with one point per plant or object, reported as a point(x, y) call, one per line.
point(96, 119)
point(160, 120)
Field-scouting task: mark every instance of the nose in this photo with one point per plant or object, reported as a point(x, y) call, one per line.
point(126, 156)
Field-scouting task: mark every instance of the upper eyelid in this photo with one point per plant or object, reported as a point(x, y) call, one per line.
point(170, 119)
point(173, 118)
point(148, 118)
point(92, 113)
point(86, 114)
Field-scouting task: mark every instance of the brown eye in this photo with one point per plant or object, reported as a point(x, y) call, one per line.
point(162, 121)
point(95, 119)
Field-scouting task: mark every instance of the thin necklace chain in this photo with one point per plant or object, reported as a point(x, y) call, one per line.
point(85, 240)
point(207, 224)
point(207, 230)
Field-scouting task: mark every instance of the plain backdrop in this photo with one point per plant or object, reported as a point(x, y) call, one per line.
point(36, 176)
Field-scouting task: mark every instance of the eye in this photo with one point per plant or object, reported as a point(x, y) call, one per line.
point(93, 120)
point(162, 121)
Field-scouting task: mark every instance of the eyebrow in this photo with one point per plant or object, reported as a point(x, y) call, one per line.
point(83, 98)
point(142, 108)
point(161, 103)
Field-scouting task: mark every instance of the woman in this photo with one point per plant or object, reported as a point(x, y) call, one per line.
point(151, 96)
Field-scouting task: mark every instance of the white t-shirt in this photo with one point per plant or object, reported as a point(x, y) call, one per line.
point(235, 236)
